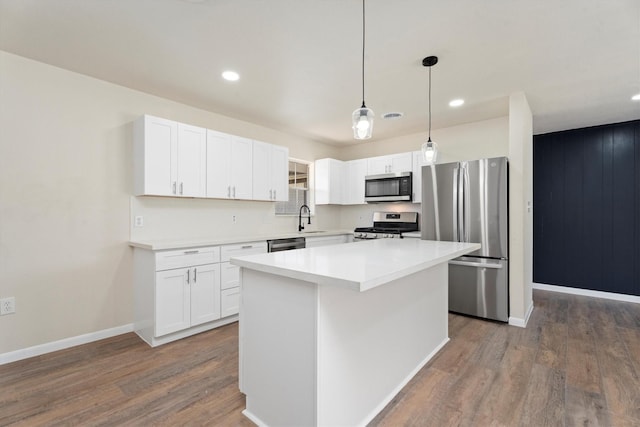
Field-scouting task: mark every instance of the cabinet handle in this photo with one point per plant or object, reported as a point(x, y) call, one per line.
point(188, 273)
point(274, 194)
point(246, 247)
point(195, 275)
point(229, 191)
point(234, 191)
point(270, 194)
point(191, 252)
point(181, 187)
point(174, 187)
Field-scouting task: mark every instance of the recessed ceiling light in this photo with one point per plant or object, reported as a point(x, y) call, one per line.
point(231, 76)
point(392, 115)
point(456, 103)
point(636, 97)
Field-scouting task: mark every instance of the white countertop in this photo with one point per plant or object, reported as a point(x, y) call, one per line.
point(165, 244)
point(359, 266)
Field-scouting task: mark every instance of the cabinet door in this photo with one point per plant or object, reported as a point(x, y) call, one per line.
point(329, 182)
point(229, 276)
point(354, 173)
point(218, 165)
point(155, 156)
point(280, 173)
point(192, 161)
point(241, 168)
point(262, 171)
point(230, 302)
point(402, 162)
point(172, 301)
point(205, 293)
point(378, 165)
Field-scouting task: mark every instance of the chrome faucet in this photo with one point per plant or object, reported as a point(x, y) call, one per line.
point(300, 225)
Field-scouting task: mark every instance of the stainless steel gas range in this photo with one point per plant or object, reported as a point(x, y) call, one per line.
point(388, 225)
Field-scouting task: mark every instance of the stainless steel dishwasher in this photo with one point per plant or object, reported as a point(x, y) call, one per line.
point(277, 245)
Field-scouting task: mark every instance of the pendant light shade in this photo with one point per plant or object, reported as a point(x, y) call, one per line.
point(362, 122)
point(362, 117)
point(430, 148)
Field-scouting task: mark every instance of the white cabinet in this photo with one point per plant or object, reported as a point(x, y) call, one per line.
point(354, 173)
point(177, 293)
point(270, 172)
point(229, 166)
point(314, 242)
point(418, 162)
point(329, 182)
point(230, 274)
point(169, 158)
point(186, 297)
point(401, 162)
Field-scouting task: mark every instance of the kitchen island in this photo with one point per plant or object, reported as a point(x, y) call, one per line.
point(329, 335)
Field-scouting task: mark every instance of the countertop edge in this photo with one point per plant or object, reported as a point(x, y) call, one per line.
point(168, 244)
point(350, 284)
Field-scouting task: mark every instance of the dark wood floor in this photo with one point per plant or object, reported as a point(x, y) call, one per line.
point(577, 363)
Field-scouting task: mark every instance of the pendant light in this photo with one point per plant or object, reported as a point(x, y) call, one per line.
point(430, 148)
point(362, 117)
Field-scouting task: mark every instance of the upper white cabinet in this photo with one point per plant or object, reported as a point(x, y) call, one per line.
point(329, 181)
point(402, 162)
point(354, 173)
point(169, 158)
point(418, 162)
point(229, 166)
point(270, 172)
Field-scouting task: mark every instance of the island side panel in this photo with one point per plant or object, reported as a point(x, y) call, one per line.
point(278, 348)
point(370, 344)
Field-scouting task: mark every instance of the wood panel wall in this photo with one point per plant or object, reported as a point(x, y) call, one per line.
point(586, 191)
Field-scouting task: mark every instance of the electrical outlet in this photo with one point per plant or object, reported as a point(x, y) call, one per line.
point(233, 219)
point(138, 221)
point(7, 306)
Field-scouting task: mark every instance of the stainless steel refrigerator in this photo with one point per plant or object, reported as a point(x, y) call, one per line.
point(468, 202)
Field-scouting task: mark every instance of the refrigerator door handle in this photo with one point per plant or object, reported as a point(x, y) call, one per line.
point(466, 195)
point(456, 174)
point(475, 264)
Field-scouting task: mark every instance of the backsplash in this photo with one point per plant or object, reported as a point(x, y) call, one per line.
point(182, 218)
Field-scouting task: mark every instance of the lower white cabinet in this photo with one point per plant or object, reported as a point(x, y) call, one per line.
point(176, 293)
point(230, 274)
point(186, 297)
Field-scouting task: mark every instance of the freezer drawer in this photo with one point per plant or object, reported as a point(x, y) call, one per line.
point(479, 287)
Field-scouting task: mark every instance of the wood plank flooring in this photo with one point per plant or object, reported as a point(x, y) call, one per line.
point(577, 363)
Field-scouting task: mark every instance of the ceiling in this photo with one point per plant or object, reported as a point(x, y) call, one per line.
point(577, 61)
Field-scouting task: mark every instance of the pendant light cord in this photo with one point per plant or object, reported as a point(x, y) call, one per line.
point(429, 140)
point(363, 39)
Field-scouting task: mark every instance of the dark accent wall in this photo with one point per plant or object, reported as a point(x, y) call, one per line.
point(586, 199)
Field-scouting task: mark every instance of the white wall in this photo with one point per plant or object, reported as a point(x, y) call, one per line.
point(65, 198)
point(487, 138)
point(520, 218)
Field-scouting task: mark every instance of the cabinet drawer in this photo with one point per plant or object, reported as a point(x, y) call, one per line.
point(166, 260)
point(229, 276)
point(250, 248)
point(229, 302)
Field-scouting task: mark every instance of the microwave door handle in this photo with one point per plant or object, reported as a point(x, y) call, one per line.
point(455, 204)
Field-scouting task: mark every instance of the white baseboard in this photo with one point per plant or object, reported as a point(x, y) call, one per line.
point(587, 292)
point(522, 323)
point(25, 353)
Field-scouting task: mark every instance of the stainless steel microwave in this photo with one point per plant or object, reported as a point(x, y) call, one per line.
point(388, 187)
